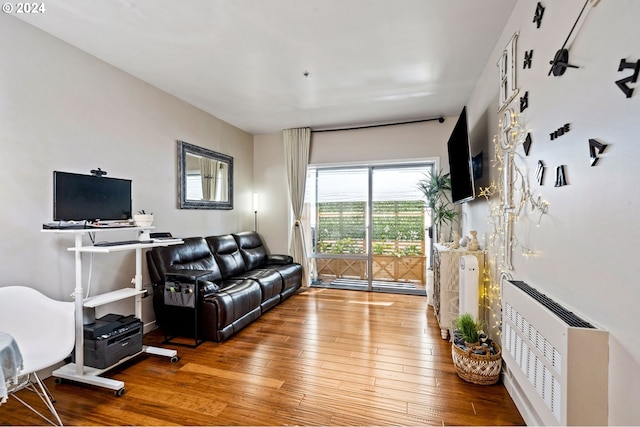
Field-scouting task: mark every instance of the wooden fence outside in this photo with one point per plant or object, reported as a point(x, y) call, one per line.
point(390, 265)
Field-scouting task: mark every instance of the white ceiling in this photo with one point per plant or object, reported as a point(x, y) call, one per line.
point(243, 61)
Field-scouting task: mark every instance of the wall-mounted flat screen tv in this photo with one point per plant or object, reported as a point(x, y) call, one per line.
point(460, 164)
point(78, 197)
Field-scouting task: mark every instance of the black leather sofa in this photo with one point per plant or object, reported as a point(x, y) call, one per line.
point(242, 281)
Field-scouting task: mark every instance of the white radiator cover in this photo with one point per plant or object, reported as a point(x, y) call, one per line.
point(556, 373)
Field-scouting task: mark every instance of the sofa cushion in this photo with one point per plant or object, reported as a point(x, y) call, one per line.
point(193, 254)
point(252, 249)
point(226, 253)
point(291, 276)
point(270, 282)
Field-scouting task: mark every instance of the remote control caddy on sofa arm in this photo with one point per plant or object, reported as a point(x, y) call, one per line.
point(243, 281)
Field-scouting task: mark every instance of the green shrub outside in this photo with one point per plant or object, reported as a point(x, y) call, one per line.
point(341, 227)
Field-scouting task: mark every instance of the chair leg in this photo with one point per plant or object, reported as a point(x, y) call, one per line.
point(48, 393)
point(41, 390)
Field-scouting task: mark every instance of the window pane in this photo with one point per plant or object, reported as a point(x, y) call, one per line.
point(341, 204)
point(399, 208)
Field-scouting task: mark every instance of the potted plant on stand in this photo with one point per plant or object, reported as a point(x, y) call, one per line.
point(477, 358)
point(436, 189)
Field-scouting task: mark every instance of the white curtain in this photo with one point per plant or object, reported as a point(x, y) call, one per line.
point(219, 194)
point(296, 155)
point(208, 174)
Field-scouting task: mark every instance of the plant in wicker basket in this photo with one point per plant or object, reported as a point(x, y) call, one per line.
point(468, 328)
point(477, 358)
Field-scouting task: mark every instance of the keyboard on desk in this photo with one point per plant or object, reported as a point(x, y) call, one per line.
point(122, 242)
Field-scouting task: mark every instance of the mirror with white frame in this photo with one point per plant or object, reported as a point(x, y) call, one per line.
point(205, 178)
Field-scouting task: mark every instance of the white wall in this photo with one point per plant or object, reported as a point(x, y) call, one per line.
point(61, 109)
point(384, 143)
point(374, 145)
point(271, 185)
point(585, 250)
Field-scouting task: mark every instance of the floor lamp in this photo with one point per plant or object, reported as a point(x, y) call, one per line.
point(255, 211)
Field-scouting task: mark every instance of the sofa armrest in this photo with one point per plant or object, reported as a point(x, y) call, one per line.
point(277, 259)
point(208, 288)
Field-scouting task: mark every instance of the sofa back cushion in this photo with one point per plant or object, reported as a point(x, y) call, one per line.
point(252, 249)
point(226, 252)
point(193, 254)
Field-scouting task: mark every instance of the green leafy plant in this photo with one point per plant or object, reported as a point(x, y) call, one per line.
point(411, 250)
point(469, 328)
point(436, 189)
point(340, 246)
point(433, 187)
point(324, 247)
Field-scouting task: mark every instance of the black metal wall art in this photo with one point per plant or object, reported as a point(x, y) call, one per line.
point(524, 101)
point(561, 179)
point(595, 145)
point(537, 18)
point(540, 172)
point(528, 57)
point(527, 144)
point(623, 84)
point(560, 131)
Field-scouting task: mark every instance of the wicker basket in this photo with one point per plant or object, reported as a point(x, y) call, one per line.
point(483, 369)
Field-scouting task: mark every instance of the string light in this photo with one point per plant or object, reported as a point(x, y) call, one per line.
point(500, 211)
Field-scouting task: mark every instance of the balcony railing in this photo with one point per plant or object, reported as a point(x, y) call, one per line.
point(397, 261)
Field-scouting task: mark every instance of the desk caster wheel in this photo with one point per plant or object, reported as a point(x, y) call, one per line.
point(119, 392)
point(58, 380)
point(175, 359)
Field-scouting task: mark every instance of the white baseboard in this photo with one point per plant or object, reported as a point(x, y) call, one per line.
point(148, 327)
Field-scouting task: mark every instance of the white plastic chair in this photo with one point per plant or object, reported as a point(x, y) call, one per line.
point(44, 330)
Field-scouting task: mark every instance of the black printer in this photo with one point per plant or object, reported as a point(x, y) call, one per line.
point(110, 339)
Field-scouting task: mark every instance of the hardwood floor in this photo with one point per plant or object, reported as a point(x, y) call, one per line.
point(323, 357)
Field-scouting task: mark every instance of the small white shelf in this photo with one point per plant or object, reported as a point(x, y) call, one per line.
point(113, 296)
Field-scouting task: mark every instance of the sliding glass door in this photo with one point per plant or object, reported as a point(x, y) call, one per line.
point(368, 227)
point(339, 226)
point(398, 223)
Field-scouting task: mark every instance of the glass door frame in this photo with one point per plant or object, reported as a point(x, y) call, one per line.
point(430, 166)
